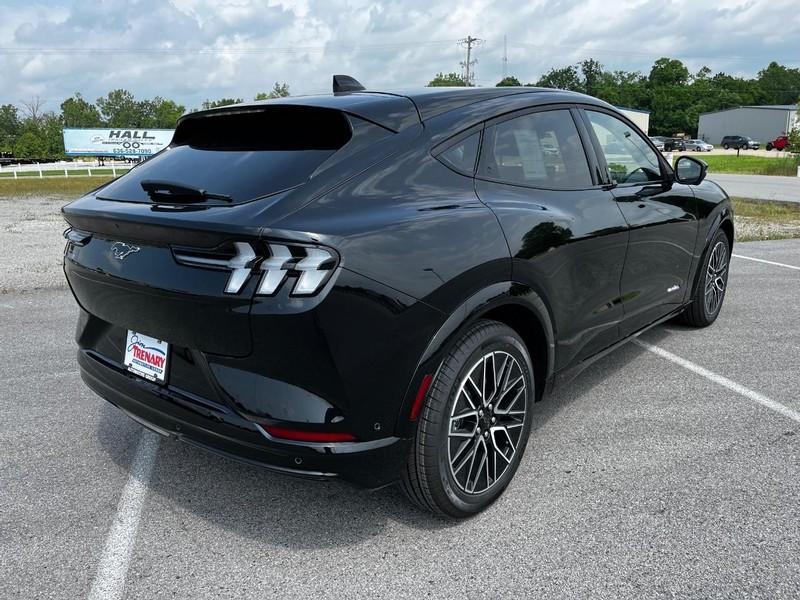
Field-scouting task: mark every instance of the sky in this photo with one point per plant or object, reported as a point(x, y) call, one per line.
point(191, 50)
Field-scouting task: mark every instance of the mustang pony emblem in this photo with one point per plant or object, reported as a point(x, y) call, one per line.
point(121, 250)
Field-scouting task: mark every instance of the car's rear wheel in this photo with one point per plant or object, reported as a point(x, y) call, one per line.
point(769, 146)
point(475, 423)
point(725, 146)
point(712, 285)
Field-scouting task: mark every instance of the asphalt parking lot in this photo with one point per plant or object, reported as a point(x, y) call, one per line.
point(643, 478)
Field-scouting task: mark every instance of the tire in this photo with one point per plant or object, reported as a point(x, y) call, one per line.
point(769, 147)
point(725, 146)
point(435, 477)
point(700, 313)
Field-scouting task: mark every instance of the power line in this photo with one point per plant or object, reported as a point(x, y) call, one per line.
point(505, 56)
point(589, 51)
point(296, 49)
point(468, 42)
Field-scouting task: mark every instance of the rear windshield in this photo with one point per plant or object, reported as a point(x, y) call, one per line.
point(242, 155)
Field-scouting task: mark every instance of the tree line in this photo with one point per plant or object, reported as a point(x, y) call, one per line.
point(31, 132)
point(674, 96)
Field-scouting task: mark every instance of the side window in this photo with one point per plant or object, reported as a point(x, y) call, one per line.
point(629, 158)
point(540, 149)
point(462, 156)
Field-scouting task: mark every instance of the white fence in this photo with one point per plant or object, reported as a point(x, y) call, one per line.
point(116, 167)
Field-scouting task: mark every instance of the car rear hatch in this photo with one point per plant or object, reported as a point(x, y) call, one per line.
point(172, 248)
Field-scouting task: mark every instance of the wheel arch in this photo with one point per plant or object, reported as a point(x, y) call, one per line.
point(727, 226)
point(514, 304)
point(723, 221)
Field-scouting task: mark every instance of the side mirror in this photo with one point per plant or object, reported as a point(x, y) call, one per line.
point(690, 170)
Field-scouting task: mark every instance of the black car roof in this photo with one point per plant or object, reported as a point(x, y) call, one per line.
point(396, 110)
point(433, 101)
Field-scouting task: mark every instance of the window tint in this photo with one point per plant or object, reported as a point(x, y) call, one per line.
point(462, 155)
point(540, 149)
point(243, 155)
point(629, 158)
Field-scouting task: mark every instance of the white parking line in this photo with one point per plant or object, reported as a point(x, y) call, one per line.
point(769, 262)
point(109, 582)
point(723, 381)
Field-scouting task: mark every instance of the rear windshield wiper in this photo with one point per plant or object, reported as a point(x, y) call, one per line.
point(168, 191)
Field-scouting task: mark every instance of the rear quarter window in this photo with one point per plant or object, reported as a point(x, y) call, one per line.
point(462, 155)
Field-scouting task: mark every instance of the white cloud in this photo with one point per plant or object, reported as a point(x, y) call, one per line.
point(190, 50)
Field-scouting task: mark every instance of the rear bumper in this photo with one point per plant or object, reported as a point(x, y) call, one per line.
point(217, 428)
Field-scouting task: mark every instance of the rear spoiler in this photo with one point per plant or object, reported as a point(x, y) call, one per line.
point(390, 111)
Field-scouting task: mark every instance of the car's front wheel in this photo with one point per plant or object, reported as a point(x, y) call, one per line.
point(475, 423)
point(712, 284)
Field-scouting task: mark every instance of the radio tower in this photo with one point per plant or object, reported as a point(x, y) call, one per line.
point(505, 57)
point(469, 42)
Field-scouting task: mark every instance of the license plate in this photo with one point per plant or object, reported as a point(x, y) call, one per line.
point(146, 356)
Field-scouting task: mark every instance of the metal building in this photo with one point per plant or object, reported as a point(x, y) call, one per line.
point(640, 118)
point(762, 123)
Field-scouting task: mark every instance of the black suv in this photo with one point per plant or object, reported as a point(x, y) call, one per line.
point(675, 145)
point(379, 286)
point(739, 142)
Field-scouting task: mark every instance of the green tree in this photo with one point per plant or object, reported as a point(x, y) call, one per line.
point(160, 113)
point(593, 74)
point(448, 80)
point(779, 84)
point(564, 78)
point(9, 127)
point(40, 138)
point(794, 134)
point(77, 112)
point(52, 127)
point(29, 145)
point(670, 96)
point(668, 72)
point(509, 81)
point(221, 102)
point(623, 88)
point(279, 90)
point(120, 109)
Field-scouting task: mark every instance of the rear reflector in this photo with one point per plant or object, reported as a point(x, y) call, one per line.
point(299, 435)
point(416, 408)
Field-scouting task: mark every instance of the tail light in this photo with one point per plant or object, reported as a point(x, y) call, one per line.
point(312, 265)
point(238, 258)
point(309, 266)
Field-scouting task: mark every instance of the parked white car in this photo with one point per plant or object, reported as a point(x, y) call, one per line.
point(658, 141)
point(698, 146)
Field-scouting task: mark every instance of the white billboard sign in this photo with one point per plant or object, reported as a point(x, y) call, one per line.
point(115, 142)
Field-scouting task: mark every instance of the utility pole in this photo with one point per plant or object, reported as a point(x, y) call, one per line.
point(505, 56)
point(468, 43)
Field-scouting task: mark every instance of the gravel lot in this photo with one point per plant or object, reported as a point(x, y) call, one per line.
point(642, 479)
point(31, 244)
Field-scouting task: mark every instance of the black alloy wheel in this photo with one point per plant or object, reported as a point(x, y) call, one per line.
point(712, 284)
point(475, 424)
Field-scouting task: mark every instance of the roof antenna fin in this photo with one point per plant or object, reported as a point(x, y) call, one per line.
point(345, 83)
